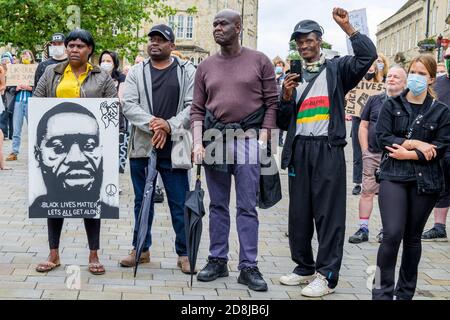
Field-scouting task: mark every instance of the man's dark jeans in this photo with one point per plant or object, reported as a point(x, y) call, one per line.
point(176, 184)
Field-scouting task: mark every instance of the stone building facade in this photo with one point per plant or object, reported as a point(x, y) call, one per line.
point(193, 33)
point(415, 21)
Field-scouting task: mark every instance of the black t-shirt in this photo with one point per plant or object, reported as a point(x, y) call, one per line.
point(416, 109)
point(370, 113)
point(165, 93)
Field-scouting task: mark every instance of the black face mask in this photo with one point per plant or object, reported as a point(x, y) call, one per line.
point(369, 76)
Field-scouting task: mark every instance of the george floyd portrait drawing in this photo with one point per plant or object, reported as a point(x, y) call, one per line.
point(73, 147)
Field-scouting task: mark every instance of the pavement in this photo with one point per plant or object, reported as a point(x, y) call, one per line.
point(24, 243)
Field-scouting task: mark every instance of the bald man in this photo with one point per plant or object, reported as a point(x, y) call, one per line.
point(235, 86)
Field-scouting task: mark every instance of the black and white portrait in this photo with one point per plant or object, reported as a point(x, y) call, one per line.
point(73, 151)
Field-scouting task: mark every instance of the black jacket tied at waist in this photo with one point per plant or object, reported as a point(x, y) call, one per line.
point(252, 121)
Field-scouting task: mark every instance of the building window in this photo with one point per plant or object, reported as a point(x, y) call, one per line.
point(190, 27)
point(172, 23)
point(405, 39)
point(434, 19)
point(394, 38)
point(180, 27)
point(417, 33)
point(410, 36)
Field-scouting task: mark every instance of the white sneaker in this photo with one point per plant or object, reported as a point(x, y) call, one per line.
point(294, 279)
point(317, 288)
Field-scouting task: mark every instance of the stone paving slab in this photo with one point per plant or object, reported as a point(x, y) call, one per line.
point(24, 243)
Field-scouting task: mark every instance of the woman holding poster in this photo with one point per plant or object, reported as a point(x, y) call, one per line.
point(75, 78)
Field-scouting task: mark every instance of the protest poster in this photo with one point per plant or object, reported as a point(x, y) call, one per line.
point(123, 150)
point(358, 19)
point(20, 74)
point(73, 158)
point(356, 99)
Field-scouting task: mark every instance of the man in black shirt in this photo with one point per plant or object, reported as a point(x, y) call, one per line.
point(57, 52)
point(157, 100)
point(371, 152)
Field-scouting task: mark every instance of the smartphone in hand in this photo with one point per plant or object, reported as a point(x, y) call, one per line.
point(296, 67)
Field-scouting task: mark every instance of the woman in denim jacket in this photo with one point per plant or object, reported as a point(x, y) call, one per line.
point(413, 129)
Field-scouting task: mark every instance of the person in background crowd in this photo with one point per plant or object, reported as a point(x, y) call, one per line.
point(377, 73)
point(8, 96)
point(157, 101)
point(75, 78)
point(371, 153)
point(279, 77)
point(413, 130)
point(57, 52)
point(438, 231)
point(139, 59)
point(126, 69)
point(441, 70)
point(279, 72)
point(381, 68)
point(179, 55)
point(313, 114)
point(2, 109)
point(109, 62)
point(23, 92)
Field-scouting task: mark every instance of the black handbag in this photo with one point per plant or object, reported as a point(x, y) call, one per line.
point(269, 185)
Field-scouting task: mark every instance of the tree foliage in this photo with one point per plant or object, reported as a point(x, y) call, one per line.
point(115, 24)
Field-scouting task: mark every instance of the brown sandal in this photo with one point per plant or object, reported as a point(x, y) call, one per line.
point(96, 268)
point(47, 266)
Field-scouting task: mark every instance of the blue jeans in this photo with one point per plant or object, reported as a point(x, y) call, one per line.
point(20, 112)
point(176, 185)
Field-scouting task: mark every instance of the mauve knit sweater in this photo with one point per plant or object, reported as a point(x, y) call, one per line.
point(234, 87)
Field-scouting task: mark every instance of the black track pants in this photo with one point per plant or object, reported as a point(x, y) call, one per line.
point(317, 192)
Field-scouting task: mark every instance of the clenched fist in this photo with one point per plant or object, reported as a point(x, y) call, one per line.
point(342, 19)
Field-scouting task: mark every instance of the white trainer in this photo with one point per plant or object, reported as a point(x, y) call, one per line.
point(294, 279)
point(318, 288)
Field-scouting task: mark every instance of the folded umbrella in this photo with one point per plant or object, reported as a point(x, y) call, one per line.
point(151, 173)
point(194, 210)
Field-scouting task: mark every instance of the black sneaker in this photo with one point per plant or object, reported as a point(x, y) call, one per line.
point(158, 196)
point(215, 268)
point(356, 189)
point(362, 235)
point(435, 235)
point(252, 278)
point(380, 236)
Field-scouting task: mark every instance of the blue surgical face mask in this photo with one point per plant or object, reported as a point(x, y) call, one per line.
point(417, 84)
point(380, 66)
point(278, 70)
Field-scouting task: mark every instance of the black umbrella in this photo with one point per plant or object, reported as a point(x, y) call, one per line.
point(145, 207)
point(194, 210)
